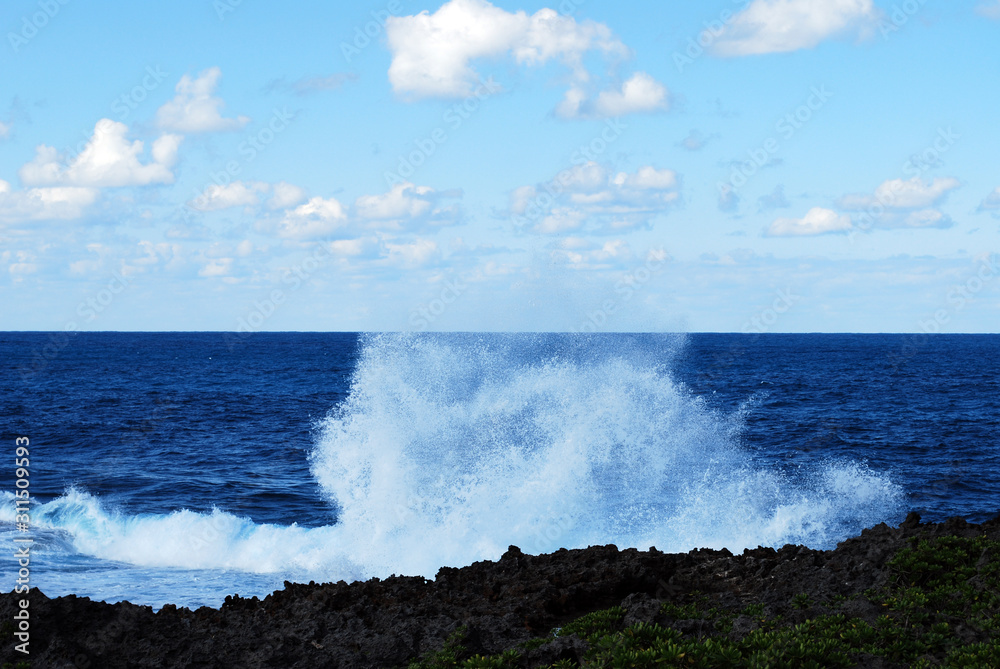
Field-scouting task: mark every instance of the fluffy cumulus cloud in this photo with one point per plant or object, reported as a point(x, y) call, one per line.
point(285, 195)
point(584, 254)
point(235, 194)
point(433, 55)
point(902, 203)
point(40, 204)
point(108, 160)
point(195, 108)
point(316, 219)
point(772, 26)
point(591, 197)
point(406, 209)
point(817, 221)
point(641, 93)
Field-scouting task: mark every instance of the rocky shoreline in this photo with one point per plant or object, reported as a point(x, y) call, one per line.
point(516, 603)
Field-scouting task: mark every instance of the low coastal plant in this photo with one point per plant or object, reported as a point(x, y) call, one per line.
point(941, 593)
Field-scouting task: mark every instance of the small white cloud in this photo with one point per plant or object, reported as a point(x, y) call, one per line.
point(521, 197)
point(219, 267)
point(989, 8)
point(641, 93)
point(902, 203)
point(40, 204)
point(4, 130)
point(195, 109)
point(647, 178)
point(991, 202)
point(407, 206)
point(559, 221)
point(694, 141)
point(817, 221)
point(285, 195)
point(108, 160)
point(774, 26)
point(367, 247)
point(914, 193)
point(923, 218)
point(315, 219)
point(578, 253)
point(309, 85)
point(589, 193)
point(411, 255)
point(235, 194)
point(403, 201)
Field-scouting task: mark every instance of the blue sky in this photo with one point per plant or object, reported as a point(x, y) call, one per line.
point(758, 165)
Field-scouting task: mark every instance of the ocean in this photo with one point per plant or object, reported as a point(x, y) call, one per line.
point(184, 467)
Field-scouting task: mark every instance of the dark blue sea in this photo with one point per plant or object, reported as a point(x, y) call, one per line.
point(183, 467)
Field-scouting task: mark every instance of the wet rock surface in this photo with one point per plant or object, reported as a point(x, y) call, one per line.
point(388, 622)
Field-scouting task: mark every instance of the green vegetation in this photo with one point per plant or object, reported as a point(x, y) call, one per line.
point(942, 593)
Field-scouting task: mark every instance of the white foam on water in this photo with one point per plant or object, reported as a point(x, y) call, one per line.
point(449, 448)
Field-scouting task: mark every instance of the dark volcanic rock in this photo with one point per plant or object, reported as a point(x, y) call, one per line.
point(385, 623)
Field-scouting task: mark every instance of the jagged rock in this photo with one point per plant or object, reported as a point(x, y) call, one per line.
point(387, 622)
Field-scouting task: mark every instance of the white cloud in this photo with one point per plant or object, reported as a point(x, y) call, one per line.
point(773, 26)
point(432, 53)
point(561, 220)
point(817, 221)
point(403, 201)
point(641, 93)
point(413, 254)
point(218, 267)
point(367, 247)
point(582, 254)
point(39, 204)
point(108, 160)
point(195, 108)
point(591, 193)
point(285, 195)
point(4, 130)
point(989, 8)
point(315, 219)
point(647, 178)
point(914, 193)
point(902, 203)
point(236, 194)
point(407, 206)
point(991, 202)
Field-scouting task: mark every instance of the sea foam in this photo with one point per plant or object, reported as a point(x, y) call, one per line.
point(450, 447)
